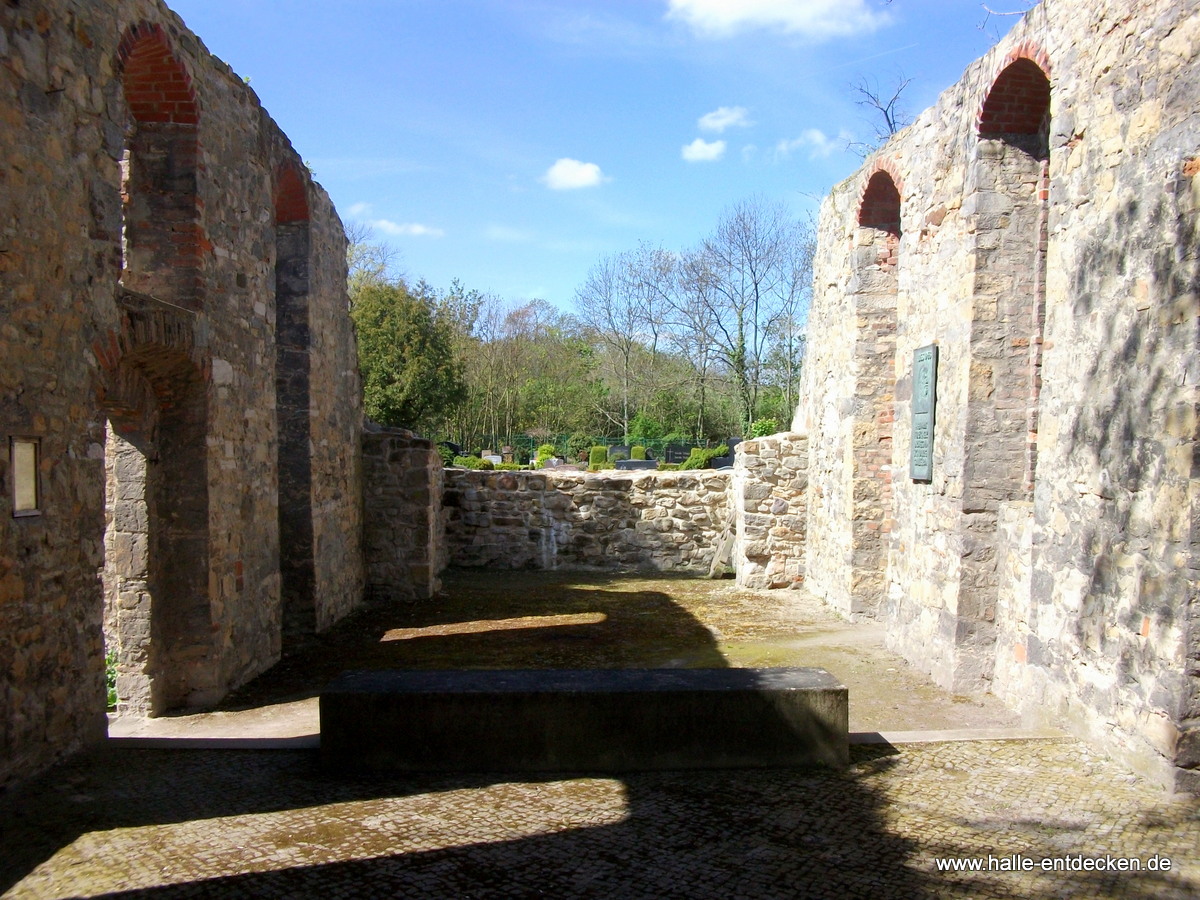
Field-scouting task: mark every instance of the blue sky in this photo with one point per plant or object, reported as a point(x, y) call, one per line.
point(512, 143)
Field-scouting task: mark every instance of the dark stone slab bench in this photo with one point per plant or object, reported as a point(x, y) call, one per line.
point(591, 720)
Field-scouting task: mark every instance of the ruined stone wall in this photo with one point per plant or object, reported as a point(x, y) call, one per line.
point(336, 425)
point(664, 521)
point(143, 208)
point(828, 418)
point(770, 496)
point(404, 536)
point(1047, 246)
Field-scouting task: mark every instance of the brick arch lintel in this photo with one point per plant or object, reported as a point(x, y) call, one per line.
point(290, 194)
point(1027, 49)
point(158, 339)
point(890, 167)
point(135, 36)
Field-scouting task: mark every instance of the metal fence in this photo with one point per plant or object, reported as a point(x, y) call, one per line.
point(522, 447)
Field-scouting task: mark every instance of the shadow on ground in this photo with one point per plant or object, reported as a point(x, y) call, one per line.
point(519, 620)
point(127, 822)
point(161, 824)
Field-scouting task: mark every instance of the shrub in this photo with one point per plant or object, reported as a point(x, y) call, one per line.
point(446, 454)
point(473, 462)
point(545, 452)
point(602, 467)
point(668, 467)
point(508, 467)
point(764, 427)
point(578, 446)
point(700, 457)
point(110, 677)
point(597, 457)
point(637, 451)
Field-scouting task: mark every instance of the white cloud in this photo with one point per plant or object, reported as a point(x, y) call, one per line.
point(701, 150)
point(818, 144)
point(358, 210)
point(725, 117)
point(807, 18)
point(569, 174)
point(406, 229)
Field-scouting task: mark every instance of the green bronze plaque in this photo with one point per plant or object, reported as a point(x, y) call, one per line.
point(924, 403)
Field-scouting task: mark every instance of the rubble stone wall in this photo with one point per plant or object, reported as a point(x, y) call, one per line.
point(404, 536)
point(663, 521)
point(770, 493)
point(1047, 246)
point(145, 203)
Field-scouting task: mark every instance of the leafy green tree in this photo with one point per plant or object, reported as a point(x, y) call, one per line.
point(411, 375)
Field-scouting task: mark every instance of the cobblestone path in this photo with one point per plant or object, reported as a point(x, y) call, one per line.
point(126, 822)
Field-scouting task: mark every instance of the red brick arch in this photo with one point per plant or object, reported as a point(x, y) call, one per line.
point(1018, 102)
point(879, 198)
point(157, 87)
point(165, 243)
point(291, 196)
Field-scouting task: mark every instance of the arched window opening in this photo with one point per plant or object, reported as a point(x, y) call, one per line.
point(1017, 109)
point(1008, 210)
point(161, 231)
point(881, 204)
point(875, 388)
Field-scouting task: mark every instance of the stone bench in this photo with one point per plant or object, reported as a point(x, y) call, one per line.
point(595, 720)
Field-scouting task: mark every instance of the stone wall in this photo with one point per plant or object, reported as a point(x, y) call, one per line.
point(664, 521)
point(404, 534)
point(1044, 240)
point(174, 334)
point(770, 496)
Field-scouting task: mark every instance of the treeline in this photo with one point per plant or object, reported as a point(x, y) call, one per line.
point(691, 346)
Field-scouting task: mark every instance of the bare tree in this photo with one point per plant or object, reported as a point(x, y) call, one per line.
point(745, 278)
point(786, 358)
point(615, 303)
point(885, 111)
point(989, 12)
point(368, 262)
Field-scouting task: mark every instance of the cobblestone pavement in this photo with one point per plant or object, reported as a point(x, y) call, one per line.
point(123, 822)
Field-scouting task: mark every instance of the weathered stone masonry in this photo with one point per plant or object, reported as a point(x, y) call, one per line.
point(174, 334)
point(1039, 225)
point(770, 497)
point(664, 521)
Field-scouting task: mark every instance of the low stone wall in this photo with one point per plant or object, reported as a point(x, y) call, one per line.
point(770, 492)
point(404, 526)
point(547, 520)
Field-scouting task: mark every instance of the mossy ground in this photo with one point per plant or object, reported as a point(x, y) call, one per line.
point(489, 619)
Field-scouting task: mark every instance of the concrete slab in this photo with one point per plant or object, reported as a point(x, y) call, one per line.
point(597, 720)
